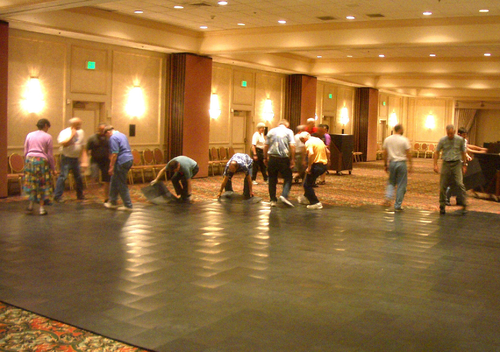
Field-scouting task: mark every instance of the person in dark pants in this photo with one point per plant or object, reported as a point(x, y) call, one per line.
point(98, 148)
point(180, 170)
point(120, 162)
point(317, 161)
point(238, 163)
point(258, 143)
point(453, 167)
point(279, 156)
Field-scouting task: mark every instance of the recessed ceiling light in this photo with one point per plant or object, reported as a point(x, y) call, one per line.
point(282, 21)
point(487, 54)
point(381, 55)
point(203, 27)
point(432, 55)
point(484, 10)
point(427, 13)
point(319, 56)
point(241, 24)
point(349, 55)
point(138, 11)
point(222, 3)
point(178, 7)
point(350, 17)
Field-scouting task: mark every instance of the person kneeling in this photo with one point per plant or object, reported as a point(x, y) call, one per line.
point(238, 163)
point(180, 170)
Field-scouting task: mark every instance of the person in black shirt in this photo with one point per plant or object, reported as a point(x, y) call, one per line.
point(98, 147)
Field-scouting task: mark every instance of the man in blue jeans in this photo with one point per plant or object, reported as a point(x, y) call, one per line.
point(279, 157)
point(396, 154)
point(180, 170)
point(120, 162)
point(317, 160)
point(72, 144)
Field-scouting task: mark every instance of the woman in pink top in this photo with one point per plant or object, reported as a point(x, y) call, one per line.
point(38, 164)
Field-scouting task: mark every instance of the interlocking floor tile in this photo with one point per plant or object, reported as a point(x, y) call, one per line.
point(222, 276)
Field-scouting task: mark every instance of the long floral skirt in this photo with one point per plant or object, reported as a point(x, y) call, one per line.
point(37, 179)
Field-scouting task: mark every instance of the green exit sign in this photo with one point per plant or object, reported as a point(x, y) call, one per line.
point(243, 83)
point(90, 65)
point(383, 103)
point(330, 96)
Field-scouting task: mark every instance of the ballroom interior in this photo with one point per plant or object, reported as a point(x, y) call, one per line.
point(186, 76)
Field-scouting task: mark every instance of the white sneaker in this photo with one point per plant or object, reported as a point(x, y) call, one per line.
point(273, 203)
point(315, 206)
point(255, 183)
point(110, 205)
point(303, 200)
point(123, 208)
point(286, 201)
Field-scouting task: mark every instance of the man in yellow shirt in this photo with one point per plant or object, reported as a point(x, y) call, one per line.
point(317, 160)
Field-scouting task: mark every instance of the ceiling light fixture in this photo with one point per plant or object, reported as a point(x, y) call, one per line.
point(178, 7)
point(241, 24)
point(484, 10)
point(222, 3)
point(432, 55)
point(381, 55)
point(350, 17)
point(487, 54)
point(203, 27)
point(349, 55)
point(319, 56)
point(138, 11)
point(427, 13)
point(282, 21)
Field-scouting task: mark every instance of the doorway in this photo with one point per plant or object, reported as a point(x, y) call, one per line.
point(241, 135)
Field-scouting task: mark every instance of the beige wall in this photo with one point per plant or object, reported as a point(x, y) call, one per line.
point(328, 109)
point(59, 63)
point(488, 126)
point(226, 83)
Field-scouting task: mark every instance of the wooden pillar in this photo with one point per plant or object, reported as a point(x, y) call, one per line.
point(189, 125)
point(365, 122)
point(300, 99)
point(4, 71)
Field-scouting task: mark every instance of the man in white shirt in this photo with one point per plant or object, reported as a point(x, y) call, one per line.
point(72, 144)
point(396, 154)
point(258, 144)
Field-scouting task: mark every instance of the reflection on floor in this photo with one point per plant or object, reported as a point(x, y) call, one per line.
point(228, 276)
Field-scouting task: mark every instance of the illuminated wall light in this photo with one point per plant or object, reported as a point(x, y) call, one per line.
point(350, 17)
point(484, 10)
point(33, 101)
point(178, 7)
point(432, 55)
point(393, 120)
point(138, 11)
point(281, 21)
point(427, 13)
point(203, 27)
point(215, 110)
point(344, 117)
point(487, 54)
point(430, 122)
point(267, 112)
point(136, 105)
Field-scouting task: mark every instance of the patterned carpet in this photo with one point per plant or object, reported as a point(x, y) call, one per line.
point(24, 331)
point(365, 186)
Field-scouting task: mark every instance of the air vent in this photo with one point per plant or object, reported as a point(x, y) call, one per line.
point(375, 15)
point(326, 18)
point(200, 4)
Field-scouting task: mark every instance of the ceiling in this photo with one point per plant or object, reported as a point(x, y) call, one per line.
point(317, 38)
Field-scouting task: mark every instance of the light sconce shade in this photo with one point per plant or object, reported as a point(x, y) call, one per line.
point(393, 119)
point(33, 99)
point(430, 122)
point(214, 107)
point(136, 105)
point(267, 112)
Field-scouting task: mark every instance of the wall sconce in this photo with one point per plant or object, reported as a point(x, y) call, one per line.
point(33, 98)
point(393, 120)
point(344, 117)
point(214, 107)
point(430, 122)
point(136, 106)
point(267, 112)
